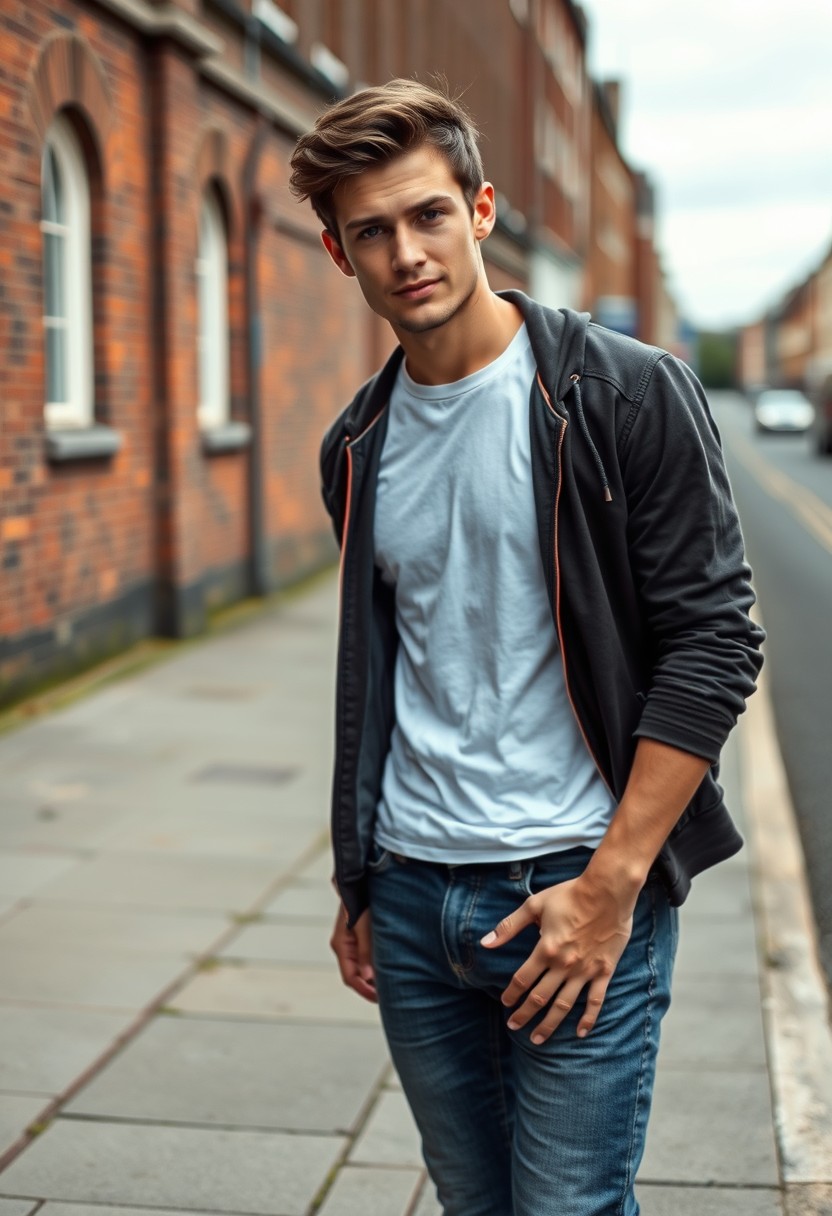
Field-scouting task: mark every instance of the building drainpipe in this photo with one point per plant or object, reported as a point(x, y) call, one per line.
point(258, 558)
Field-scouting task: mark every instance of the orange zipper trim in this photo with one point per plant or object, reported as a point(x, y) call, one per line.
point(559, 629)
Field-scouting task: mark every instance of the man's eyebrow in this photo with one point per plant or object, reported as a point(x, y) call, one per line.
point(368, 220)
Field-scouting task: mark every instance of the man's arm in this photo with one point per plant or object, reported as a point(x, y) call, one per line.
point(585, 923)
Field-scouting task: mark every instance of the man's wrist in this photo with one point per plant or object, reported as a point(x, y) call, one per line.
point(621, 875)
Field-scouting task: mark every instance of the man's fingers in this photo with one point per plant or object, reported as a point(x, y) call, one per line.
point(561, 1006)
point(539, 997)
point(594, 1001)
point(368, 991)
point(510, 926)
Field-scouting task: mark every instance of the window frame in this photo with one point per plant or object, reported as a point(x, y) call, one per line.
point(79, 408)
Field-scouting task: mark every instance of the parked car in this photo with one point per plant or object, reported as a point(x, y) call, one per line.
point(783, 409)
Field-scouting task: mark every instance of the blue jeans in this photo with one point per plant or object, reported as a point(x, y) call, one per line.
point(509, 1128)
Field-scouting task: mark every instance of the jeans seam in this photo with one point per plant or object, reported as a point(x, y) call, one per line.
point(648, 1020)
point(496, 1030)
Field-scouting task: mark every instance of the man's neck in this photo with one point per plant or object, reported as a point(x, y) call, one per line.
point(476, 336)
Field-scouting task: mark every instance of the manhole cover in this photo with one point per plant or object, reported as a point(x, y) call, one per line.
point(245, 774)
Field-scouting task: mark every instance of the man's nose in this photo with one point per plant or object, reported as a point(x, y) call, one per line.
point(407, 251)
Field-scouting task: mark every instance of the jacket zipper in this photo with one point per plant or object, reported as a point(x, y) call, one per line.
point(561, 435)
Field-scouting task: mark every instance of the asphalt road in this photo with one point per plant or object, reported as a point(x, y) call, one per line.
point(784, 494)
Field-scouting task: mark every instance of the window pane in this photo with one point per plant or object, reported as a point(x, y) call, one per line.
point(54, 204)
point(56, 369)
point(54, 250)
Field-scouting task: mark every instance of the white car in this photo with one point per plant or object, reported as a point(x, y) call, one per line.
point(783, 409)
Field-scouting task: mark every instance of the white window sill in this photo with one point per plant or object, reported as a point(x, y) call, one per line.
point(82, 443)
point(227, 437)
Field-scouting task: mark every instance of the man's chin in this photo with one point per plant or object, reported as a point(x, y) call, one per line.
point(422, 320)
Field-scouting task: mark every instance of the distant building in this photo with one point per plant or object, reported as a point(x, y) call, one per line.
point(173, 340)
point(795, 334)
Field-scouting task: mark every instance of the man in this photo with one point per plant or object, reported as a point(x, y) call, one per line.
point(544, 643)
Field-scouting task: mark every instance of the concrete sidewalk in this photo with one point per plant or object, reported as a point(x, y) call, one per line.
point(173, 1033)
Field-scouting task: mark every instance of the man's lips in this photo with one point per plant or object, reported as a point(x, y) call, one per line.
point(415, 291)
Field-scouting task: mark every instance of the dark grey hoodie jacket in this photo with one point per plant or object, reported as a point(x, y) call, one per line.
point(643, 560)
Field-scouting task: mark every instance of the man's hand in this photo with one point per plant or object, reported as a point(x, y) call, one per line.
point(353, 949)
point(584, 928)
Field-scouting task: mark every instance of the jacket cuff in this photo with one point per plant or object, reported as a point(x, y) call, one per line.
point(678, 721)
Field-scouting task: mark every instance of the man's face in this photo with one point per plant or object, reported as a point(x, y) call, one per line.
point(409, 237)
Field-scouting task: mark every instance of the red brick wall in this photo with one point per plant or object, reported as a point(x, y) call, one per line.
point(611, 257)
point(72, 536)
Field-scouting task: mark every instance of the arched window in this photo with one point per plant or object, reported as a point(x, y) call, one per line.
point(212, 292)
point(67, 279)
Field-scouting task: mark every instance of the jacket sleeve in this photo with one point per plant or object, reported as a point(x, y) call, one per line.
point(333, 464)
point(686, 552)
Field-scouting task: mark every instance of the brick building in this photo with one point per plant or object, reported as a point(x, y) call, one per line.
point(173, 340)
point(792, 344)
point(610, 281)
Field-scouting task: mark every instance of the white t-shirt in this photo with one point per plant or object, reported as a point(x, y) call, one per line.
point(486, 761)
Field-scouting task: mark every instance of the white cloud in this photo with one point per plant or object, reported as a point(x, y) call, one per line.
point(728, 106)
point(728, 264)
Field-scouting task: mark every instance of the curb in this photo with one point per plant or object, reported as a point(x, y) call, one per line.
point(795, 1003)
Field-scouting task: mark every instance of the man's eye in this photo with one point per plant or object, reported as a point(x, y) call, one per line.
point(367, 233)
point(432, 213)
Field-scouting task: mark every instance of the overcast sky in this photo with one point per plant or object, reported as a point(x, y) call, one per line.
point(728, 106)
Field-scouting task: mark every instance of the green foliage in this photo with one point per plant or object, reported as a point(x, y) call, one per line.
point(717, 359)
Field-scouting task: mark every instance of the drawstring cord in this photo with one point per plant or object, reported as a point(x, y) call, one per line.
point(599, 464)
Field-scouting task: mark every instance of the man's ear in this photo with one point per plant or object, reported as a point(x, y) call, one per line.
point(333, 248)
point(485, 211)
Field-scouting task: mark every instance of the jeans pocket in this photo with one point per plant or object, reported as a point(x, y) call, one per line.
point(379, 859)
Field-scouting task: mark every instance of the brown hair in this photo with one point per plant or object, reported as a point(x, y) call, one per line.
point(376, 125)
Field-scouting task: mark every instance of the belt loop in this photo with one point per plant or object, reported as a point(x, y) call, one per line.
point(515, 870)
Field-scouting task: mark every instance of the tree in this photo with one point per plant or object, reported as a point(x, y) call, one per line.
point(717, 358)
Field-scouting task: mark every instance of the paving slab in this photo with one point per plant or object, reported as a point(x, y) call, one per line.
point(16, 1207)
point(160, 882)
point(717, 947)
point(808, 1200)
point(428, 1204)
point(723, 890)
point(714, 1025)
point(251, 1074)
point(42, 823)
point(294, 993)
point(103, 979)
point(200, 830)
point(17, 1111)
point(319, 869)
point(179, 934)
point(173, 1167)
point(389, 1136)
point(44, 1050)
point(362, 1191)
point(711, 1127)
point(309, 901)
point(707, 1201)
point(288, 941)
point(23, 875)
